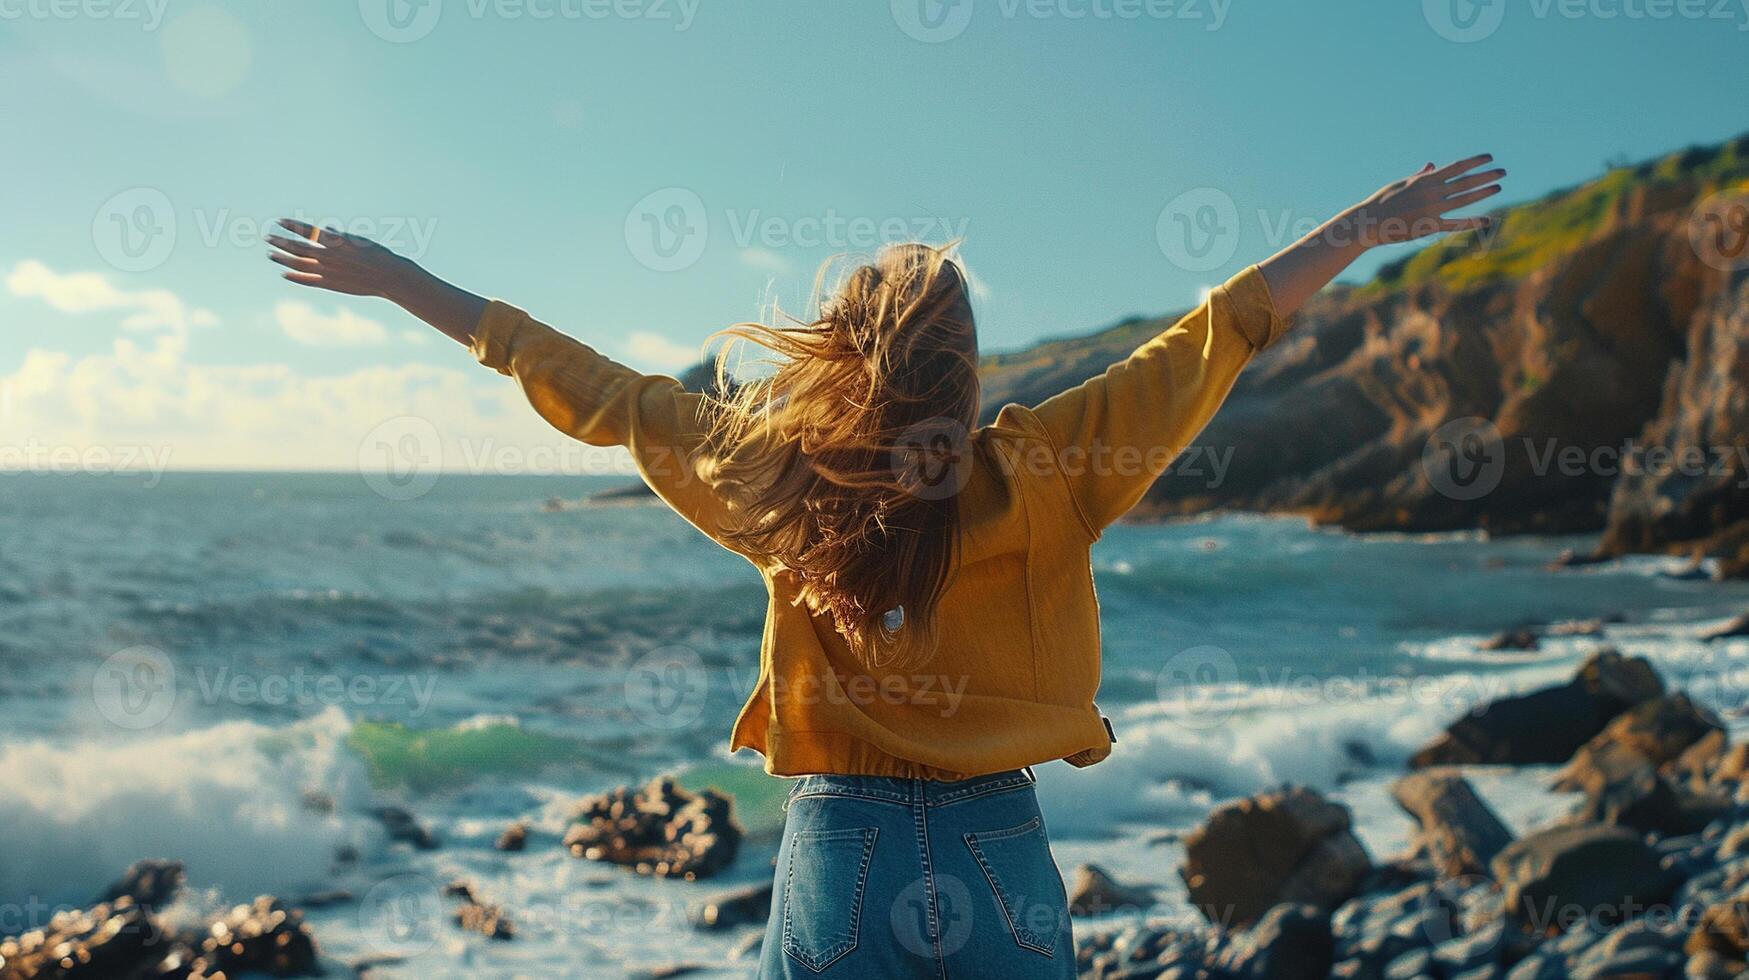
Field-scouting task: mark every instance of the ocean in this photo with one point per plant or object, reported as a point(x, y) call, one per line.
point(188, 665)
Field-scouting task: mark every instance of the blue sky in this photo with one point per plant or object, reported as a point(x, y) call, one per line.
point(526, 149)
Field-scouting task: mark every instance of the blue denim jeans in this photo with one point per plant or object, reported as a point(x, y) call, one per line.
point(895, 878)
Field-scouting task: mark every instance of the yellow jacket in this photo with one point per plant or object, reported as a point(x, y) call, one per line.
point(1018, 667)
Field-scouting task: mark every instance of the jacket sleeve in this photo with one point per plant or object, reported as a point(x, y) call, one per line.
point(599, 401)
point(1115, 434)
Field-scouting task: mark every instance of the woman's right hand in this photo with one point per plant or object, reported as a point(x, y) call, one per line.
point(327, 259)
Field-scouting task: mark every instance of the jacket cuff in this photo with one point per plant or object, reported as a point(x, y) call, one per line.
point(494, 333)
point(1252, 308)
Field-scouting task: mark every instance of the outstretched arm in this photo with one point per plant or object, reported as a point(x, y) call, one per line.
point(326, 259)
point(1116, 433)
point(581, 392)
point(1414, 207)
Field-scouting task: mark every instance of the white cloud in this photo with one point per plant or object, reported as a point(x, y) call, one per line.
point(91, 292)
point(656, 352)
point(344, 328)
point(146, 395)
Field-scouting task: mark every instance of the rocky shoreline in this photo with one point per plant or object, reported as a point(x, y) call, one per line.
point(1647, 876)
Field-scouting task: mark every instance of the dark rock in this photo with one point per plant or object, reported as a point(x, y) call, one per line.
point(744, 906)
point(1412, 965)
point(1735, 628)
point(1660, 729)
point(99, 943)
point(1290, 845)
point(1643, 962)
point(488, 920)
point(460, 888)
point(403, 826)
point(1524, 639)
point(1457, 830)
point(659, 830)
point(1290, 942)
point(261, 937)
point(150, 884)
point(1096, 893)
point(1622, 787)
point(1546, 726)
point(1564, 876)
point(514, 838)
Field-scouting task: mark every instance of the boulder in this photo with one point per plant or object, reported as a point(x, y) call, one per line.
point(1723, 929)
point(1095, 893)
point(150, 884)
point(1731, 630)
point(487, 920)
point(1289, 845)
point(1660, 729)
point(1524, 639)
point(98, 943)
point(1621, 786)
point(1566, 876)
point(659, 830)
point(514, 838)
point(125, 939)
point(743, 906)
point(262, 937)
point(1547, 726)
point(403, 826)
point(1458, 831)
point(1290, 942)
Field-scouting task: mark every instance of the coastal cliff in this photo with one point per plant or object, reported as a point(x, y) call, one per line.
point(1586, 361)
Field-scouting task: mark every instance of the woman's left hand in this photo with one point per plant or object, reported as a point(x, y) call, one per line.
point(338, 262)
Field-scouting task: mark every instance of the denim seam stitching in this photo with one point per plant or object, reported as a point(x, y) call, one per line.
point(843, 949)
point(1024, 940)
point(960, 796)
point(920, 816)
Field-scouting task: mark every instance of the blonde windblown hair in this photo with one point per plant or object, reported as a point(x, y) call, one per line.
point(834, 462)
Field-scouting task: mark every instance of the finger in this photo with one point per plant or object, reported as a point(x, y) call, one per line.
point(302, 229)
point(1462, 166)
point(295, 246)
point(1466, 224)
point(1472, 181)
point(302, 278)
point(1465, 200)
point(293, 261)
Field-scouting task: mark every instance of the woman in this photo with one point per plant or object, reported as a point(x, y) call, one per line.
point(932, 629)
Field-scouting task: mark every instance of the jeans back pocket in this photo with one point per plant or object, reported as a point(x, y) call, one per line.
point(823, 889)
point(1025, 879)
